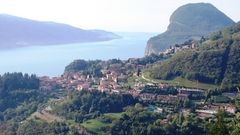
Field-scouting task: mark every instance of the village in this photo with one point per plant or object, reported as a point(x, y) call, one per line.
point(164, 97)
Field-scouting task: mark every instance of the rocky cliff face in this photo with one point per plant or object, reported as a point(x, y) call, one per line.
point(191, 21)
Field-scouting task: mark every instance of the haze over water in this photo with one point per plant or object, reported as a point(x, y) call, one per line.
point(51, 60)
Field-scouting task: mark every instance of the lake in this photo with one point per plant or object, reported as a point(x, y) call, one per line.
point(51, 60)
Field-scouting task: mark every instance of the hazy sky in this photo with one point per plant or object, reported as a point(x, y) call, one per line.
point(111, 15)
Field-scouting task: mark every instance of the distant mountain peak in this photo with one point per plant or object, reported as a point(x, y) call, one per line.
point(190, 21)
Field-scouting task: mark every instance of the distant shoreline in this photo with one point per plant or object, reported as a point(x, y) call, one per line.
point(12, 47)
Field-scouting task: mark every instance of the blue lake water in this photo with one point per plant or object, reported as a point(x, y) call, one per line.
point(51, 60)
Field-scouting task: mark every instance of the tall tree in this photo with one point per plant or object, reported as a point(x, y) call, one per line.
point(235, 125)
point(237, 100)
point(219, 127)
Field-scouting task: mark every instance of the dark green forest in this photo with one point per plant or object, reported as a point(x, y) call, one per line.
point(19, 98)
point(85, 105)
point(16, 88)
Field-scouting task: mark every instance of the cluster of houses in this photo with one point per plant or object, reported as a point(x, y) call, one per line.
point(210, 110)
point(67, 81)
point(183, 94)
point(177, 48)
point(110, 82)
point(203, 110)
point(113, 76)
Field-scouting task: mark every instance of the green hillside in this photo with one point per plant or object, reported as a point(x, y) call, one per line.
point(216, 61)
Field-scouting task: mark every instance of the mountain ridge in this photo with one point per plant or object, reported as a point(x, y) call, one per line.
point(18, 32)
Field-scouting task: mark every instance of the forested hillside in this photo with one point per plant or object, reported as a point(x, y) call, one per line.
point(19, 98)
point(215, 61)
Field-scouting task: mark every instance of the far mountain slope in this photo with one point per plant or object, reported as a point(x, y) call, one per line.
point(17, 32)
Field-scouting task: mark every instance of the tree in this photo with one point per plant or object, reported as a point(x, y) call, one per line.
point(235, 125)
point(154, 130)
point(208, 95)
point(219, 127)
point(237, 100)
